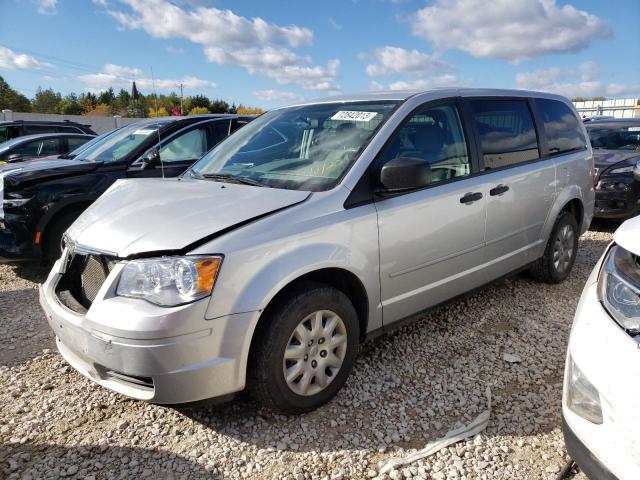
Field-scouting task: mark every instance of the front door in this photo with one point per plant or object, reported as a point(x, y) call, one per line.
point(432, 239)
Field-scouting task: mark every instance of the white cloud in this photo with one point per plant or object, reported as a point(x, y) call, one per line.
point(46, 7)
point(335, 25)
point(118, 76)
point(276, 95)
point(513, 30)
point(581, 82)
point(12, 60)
point(391, 60)
point(226, 38)
point(174, 50)
point(420, 84)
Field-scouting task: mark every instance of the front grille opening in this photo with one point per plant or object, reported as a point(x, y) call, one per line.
point(79, 286)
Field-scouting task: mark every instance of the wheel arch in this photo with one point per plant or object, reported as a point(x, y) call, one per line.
point(339, 278)
point(62, 208)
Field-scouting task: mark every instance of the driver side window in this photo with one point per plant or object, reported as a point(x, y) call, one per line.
point(434, 135)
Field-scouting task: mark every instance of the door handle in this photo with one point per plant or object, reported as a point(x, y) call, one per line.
point(498, 190)
point(471, 197)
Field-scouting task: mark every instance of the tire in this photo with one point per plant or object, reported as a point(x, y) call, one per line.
point(560, 254)
point(52, 248)
point(282, 329)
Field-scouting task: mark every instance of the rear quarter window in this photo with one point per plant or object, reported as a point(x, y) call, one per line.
point(561, 127)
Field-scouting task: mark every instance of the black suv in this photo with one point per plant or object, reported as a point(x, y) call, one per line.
point(616, 152)
point(19, 128)
point(40, 199)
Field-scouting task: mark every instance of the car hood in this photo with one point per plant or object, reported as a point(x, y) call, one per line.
point(627, 235)
point(606, 158)
point(36, 170)
point(156, 215)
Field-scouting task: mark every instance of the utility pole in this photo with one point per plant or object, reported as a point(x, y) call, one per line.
point(181, 85)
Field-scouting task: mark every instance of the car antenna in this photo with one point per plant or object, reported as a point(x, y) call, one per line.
point(155, 97)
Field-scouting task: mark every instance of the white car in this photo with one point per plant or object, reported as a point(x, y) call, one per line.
point(601, 401)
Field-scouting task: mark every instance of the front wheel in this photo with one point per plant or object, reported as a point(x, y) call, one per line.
point(306, 351)
point(560, 254)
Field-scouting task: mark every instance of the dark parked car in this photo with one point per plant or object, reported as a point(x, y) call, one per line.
point(40, 199)
point(19, 128)
point(41, 145)
point(616, 151)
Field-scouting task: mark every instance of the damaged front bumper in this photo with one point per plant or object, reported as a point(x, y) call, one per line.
point(157, 354)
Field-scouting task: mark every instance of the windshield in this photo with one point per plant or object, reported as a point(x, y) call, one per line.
point(74, 153)
point(118, 145)
point(308, 147)
point(615, 137)
point(4, 134)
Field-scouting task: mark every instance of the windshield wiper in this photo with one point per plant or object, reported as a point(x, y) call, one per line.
point(232, 178)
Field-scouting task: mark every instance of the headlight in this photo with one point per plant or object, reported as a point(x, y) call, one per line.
point(619, 288)
point(581, 396)
point(169, 281)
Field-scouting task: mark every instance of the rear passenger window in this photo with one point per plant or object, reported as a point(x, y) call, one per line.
point(561, 126)
point(434, 135)
point(507, 136)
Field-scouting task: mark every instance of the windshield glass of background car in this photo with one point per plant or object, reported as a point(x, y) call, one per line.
point(4, 134)
point(615, 138)
point(308, 147)
point(117, 146)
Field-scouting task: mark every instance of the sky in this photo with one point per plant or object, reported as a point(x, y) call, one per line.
point(274, 52)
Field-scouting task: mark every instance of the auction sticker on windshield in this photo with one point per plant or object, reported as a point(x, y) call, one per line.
point(633, 129)
point(144, 131)
point(354, 116)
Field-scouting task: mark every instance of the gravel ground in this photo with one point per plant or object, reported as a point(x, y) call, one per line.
point(406, 389)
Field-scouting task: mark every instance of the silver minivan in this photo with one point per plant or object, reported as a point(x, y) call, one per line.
point(271, 259)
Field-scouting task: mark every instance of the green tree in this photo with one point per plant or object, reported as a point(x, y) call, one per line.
point(200, 101)
point(11, 99)
point(70, 105)
point(107, 97)
point(219, 106)
point(46, 101)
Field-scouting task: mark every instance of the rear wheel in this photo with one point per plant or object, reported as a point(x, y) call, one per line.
point(52, 248)
point(560, 254)
point(306, 352)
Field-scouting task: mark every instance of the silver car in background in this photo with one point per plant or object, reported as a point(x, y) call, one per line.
point(315, 226)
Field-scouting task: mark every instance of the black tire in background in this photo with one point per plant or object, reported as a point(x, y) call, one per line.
point(560, 254)
point(52, 247)
point(266, 375)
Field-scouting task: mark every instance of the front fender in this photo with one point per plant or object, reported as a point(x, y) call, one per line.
point(245, 289)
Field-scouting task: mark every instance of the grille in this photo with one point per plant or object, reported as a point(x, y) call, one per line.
point(79, 286)
point(93, 274)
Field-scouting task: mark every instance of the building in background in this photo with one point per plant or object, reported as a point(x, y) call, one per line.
point(618, 108)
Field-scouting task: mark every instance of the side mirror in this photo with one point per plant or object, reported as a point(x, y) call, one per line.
point(15, 157)
point(636, 171)
point(151, 159)
point(405, 173)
